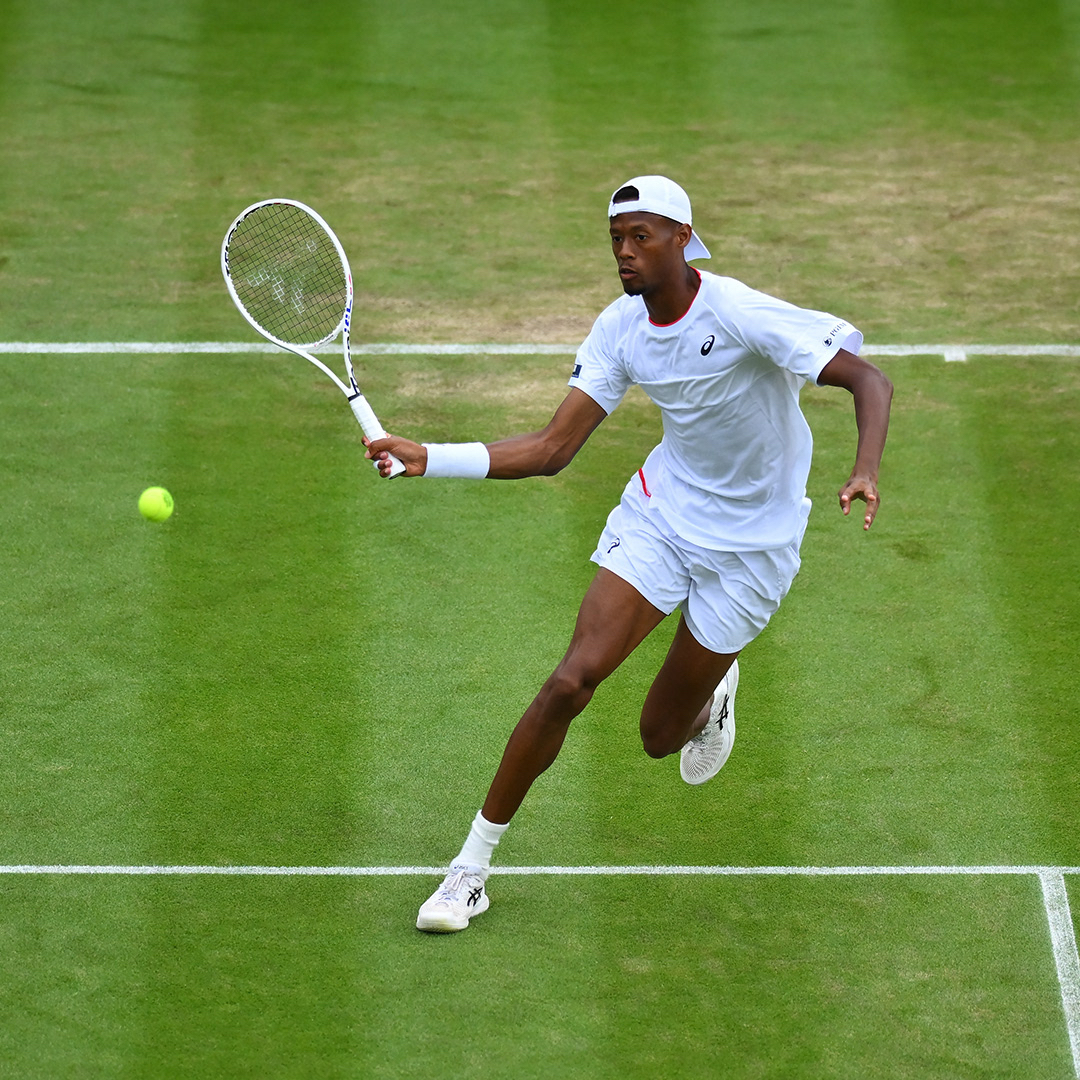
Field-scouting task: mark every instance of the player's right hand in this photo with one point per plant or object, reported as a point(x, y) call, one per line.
point(412, 455)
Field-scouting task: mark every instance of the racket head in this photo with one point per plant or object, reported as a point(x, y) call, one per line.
point(287, 273)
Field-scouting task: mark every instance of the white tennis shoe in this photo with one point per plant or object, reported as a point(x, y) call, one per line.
point(454, 902)
point(704, 755)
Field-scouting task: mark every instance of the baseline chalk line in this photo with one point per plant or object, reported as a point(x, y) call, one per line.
point(612, 871)
point(226, 347)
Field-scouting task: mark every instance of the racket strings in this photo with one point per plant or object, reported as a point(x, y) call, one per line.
point(288, 274)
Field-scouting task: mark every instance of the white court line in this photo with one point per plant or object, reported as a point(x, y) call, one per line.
point(613, 871)
point(225, 347)
point(1052, 879)
point(947, 352)
point(1063, 938)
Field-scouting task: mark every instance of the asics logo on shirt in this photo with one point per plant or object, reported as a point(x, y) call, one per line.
point(614, 546)
point(706, 348)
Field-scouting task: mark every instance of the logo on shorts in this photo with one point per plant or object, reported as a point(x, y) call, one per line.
point(706, 348)
point(614, 546)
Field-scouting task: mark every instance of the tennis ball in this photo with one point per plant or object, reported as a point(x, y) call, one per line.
point(155, 504)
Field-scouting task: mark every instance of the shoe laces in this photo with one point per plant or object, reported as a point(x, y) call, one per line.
point(454, 883)
point(704, 736)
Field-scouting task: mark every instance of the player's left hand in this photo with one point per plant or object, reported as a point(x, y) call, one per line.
point(861, 487)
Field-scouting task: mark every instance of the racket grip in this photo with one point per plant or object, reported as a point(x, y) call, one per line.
point(373, 429)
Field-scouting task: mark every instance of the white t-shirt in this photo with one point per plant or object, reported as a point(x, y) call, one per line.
point(730, 472)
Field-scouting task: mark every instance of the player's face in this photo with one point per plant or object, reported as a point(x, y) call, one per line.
point(648, 249)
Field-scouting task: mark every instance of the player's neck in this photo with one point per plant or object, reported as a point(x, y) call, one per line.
point(670, 304)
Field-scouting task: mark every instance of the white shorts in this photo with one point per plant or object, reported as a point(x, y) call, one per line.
point(727, 597)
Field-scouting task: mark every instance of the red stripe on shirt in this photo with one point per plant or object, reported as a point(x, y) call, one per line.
point(644, 486)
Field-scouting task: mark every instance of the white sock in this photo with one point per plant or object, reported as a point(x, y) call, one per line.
point(483, 838)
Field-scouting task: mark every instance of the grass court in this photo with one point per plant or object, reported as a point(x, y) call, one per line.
point(307, 668)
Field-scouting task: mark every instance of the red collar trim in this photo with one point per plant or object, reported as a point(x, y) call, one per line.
point(663, 325)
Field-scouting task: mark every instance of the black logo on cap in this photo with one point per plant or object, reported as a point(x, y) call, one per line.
point(707, 347)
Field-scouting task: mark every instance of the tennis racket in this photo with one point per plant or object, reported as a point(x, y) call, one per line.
point(287, 273)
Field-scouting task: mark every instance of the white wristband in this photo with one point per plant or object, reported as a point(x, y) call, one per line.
point(470, 460)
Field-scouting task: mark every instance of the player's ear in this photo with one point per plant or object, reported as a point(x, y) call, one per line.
point(683, 234)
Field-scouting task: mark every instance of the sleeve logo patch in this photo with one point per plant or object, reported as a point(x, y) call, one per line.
point(833, 332)
point(576, 372)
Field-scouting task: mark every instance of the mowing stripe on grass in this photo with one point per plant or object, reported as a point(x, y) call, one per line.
point(947, 352)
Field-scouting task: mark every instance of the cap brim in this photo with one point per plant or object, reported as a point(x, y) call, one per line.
point(695, 249)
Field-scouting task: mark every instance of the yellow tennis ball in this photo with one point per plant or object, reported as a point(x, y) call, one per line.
point(155, 504)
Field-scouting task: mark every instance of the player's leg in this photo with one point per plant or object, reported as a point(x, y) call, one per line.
point(641, 579)
point(672, 719)
point(614, 619)
point(730, 600)
point(678, 702)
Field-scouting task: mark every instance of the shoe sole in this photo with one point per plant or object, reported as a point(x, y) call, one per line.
point(434, 924)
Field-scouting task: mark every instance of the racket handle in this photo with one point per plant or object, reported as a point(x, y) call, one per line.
point(373, 429)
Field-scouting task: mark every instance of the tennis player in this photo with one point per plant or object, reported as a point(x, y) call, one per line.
point(710, 524)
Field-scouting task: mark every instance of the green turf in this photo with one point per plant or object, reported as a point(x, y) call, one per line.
point(304, 666)
point(465, 154)
point(571, 977)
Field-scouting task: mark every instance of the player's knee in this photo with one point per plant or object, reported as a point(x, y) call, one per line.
point(571, 687)
point(654, 747)
point(657, 744)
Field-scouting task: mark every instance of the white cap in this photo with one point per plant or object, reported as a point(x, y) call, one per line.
point(659, 195)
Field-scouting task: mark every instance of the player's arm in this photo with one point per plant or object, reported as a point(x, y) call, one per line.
point(872, 391)
point(538, 453)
